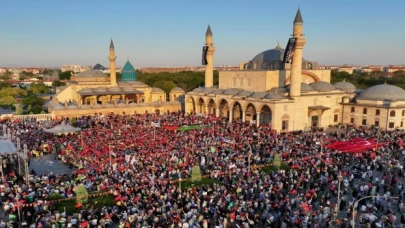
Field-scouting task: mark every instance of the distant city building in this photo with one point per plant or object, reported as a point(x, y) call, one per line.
point(3, 70)
point(75, 68)
point(392, 69)
point(99, 67)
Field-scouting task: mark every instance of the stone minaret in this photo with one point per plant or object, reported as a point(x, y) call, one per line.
point(112, 58)
point(209, 68)
point(295, 77)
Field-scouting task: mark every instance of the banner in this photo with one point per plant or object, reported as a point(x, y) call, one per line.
point(289, 50)
point(187, 128)
point(277, 160)
point(155, 124)
point(204, 55)
point(355, 145)
point(196, 173)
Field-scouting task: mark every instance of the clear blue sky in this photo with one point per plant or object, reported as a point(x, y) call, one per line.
point(171, 33)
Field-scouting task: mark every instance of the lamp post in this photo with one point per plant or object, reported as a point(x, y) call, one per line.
point(357, 202)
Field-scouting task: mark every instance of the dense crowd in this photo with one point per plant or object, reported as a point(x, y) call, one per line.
point(143, 166)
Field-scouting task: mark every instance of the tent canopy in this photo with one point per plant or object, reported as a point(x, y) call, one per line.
point(7, 147)
point(63, 128)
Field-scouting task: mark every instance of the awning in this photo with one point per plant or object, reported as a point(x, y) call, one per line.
point(318, 107)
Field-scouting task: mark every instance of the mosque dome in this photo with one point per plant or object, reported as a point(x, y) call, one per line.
point(177, 89)
point(128, 72)
point(382, 92)
point(232, 91)
point(346, 86)
point(91, 74)
point(208, 90)
point(304, 87)
point(322, 86)
point(218, 91)
point(275, 96)
point(157, 90)
point(258, 95)
point(198, 90)
point(244, 93)
point(275, 54)
point(278, 90)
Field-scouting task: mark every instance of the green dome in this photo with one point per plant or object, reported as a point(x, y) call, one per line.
point(128, 72)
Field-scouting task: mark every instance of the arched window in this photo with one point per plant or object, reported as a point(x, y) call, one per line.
point(352, 109)
point(403, 112)
point(364, 111)
point(392, 114)
point(234, 82)
point(241, 82)
point(377, 112)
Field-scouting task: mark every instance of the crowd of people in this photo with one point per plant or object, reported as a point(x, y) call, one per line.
point(142, 160)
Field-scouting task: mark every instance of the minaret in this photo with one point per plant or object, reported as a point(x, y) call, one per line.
point(209, 68)
point(295, 77)
point(112, 58)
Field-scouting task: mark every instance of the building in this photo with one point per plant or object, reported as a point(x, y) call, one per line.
point(92, 91)
point(291, 96)
point(128, 72)
point(75, 68)
point(392, 69)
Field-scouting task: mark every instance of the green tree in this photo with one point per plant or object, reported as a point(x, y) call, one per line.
point(32, 100)
point(7, 100)
point(165, 85)
point(4, 84)
point(36, 109)
point(118, 75)
point(65, 75)
point(38, 88)
point(5, 77)
point(27, 74)
point(14, 92)
point(58, 83)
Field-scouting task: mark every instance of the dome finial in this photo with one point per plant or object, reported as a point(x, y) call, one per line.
point(278, 45)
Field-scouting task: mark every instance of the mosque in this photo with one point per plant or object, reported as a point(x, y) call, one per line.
point(279, 87)
point(93, 92)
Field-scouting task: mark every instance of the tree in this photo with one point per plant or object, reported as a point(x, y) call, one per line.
point(27, 74)
point(7, 101)
point(4, 85)
point(32, 100)
point(38, 88)
point(36, 109)
point(14, 92)
point(5, 77)
point(58, 83)
point(118, 75)
point(167, 86)
point(65, 75)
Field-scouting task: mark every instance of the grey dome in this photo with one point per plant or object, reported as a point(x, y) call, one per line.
point(347, 86)
point(85, 106)
point(198, 90)
point(258, 95)
point(232, 91)
point(382, 92)
point(244, 93)
point(218, 91)
point(278, 90)
point(157, 90)
point(91, 74)
point(304, 87)
point(275, 54)
point(177, 89)
point(208, 90)
point(100, 89)
point(275, 96)
point(322, 86)
point(132, 83)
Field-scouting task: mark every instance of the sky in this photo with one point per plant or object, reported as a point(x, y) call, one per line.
point(162, 33)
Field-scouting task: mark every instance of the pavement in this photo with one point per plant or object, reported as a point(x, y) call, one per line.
point(48, 163)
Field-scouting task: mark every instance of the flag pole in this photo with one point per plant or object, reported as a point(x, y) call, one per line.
point(109, 150)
